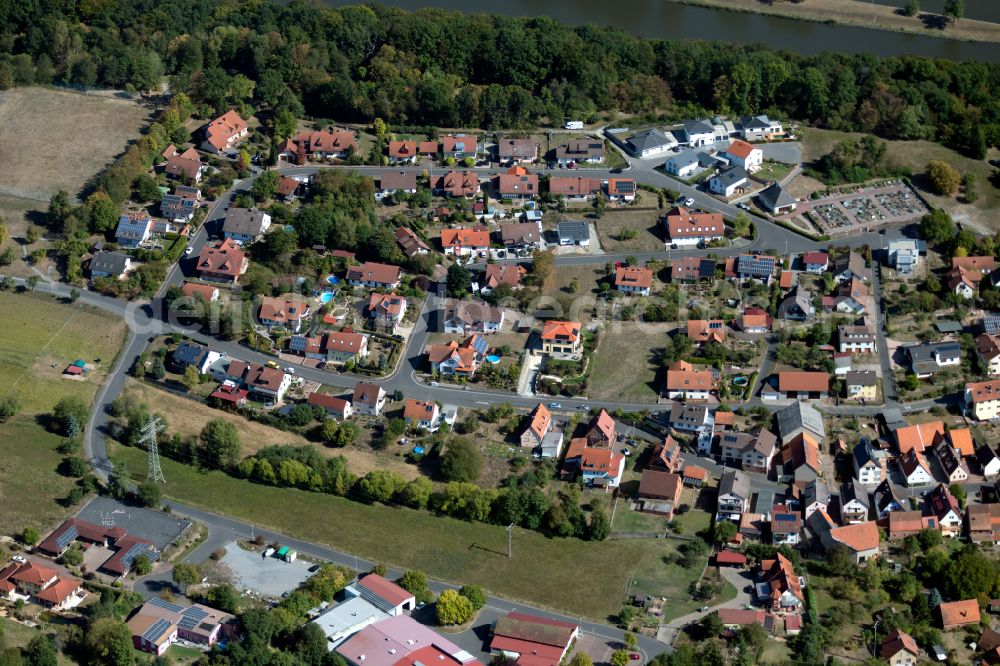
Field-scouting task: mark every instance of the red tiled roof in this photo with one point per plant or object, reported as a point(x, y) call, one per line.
point(634, 276)
point(561, 330)
point(59, 591)
point(509, 274)
point(957, 613)
point(799, 381)
point(224, 258)
point(540, 420)
point(695, 472)
point(221, 130)
point(918, 437)
point(371, 271)
point(208, 292)
point(471, 237)
point(961, 441)
point(574, 186)
point(327, 401)
point(681, 376)
point(740, 149)
point(385, 589)
point(815, 258)
point(419, 410)
point(987, 391)
point(730, 557)
point(682, 223)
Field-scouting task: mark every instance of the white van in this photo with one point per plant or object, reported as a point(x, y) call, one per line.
point(574, 124)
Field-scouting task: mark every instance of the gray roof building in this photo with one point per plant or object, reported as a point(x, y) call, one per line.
point(734, 483)
point(245, 222)
point(650, 140)
point(574, 231)
point(734, 175)
point(702, 126)
point(798, 417)
point(816, 491)
point(189, 353)
point(931, 357)
point(111, 263)
point(774, 197)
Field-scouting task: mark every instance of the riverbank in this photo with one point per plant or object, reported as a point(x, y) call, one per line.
point(862, 15)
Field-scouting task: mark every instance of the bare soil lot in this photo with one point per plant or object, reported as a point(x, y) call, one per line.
point(59, 140)
point(626, 363)
point(615, 226)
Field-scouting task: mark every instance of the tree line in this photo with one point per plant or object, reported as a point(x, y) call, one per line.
point(447, 69)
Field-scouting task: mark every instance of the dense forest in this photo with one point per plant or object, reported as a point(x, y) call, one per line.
point(435, 67)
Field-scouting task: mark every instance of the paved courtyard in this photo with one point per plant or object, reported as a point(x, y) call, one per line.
point(260, 576)
point(156, 526)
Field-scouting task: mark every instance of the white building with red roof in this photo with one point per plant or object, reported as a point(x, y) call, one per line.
point(30, 581)
point(224, 132)
point(740, 153)
point(402, 641)
point(685, 228)
point(530, 640)
point(383, 594)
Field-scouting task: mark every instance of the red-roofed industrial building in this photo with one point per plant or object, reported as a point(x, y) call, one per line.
point(529, 640)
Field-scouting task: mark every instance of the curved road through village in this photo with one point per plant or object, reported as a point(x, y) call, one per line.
point(146, 320)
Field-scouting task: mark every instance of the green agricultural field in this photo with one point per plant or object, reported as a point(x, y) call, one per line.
point(446, 548)
point(41, 336)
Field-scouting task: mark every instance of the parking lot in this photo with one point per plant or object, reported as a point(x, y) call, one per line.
point(259, 576)
point(863, 209)
point(156, 526)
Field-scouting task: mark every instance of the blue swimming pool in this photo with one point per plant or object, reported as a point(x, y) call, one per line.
point(493, 358)
point(326, 297)
point(332, 279)
point(418, 449)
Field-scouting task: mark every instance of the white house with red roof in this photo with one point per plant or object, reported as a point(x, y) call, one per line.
point(224, 132)
point(602, 467)
point(740, 153)
point(686, 229)
point(30, 581)
point(385, 595)
point(402, 641)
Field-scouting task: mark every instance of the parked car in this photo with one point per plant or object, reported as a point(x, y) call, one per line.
point(555, 405)
point(290, 370)
point(273, 364)
point(626, 453)
point(19, 559)
point(188, 250)
point(689, 201)
point(634, 656)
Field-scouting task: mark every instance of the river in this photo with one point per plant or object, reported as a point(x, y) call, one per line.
point(668, 20)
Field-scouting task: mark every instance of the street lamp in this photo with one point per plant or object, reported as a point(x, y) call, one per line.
point(878, 618)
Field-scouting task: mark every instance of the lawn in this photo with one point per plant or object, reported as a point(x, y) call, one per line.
point(446, 548)
point(179, 654)
point(644, 223)
point(626, 364)
point(774, 171)
point(16, 634)
point(16, 214)
point(101, 128)
point(659, 575)
point(41, 336)
point(915, 155)
point(627, 520)
point(188, 417)
point(561, 281)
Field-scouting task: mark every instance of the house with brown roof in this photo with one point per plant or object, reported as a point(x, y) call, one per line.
point(410, 242)
point(694, 476)
point(800, 458)
point(786, 526)
point(853, 297)
point(861, 539)
point(984, 523)
point(659, 492)
point(459, 146)
point(224, 132)
point(368, 398)
point(602, 430)
point(323, 144)
point(39, 584)
point(537, 426)
point(562, 339)
point(286, 311)
point(186, 165)
point(688, 229)
point(516, 184)
point(899, 649)
point(386, 311)
point(457, 184)
point(521, 235)
point(955, 614)
point(525, 639)
point(516, 151)
point(801, 385)
point(754, 320)
point(703, 331)
point(685, 383)
point(574, 188)
point(511, 275)
point(345, 346)
point(916, 471)
point(754, 453)
point(667, 455)
point(337, 408)
point(909, 523)
point(391, 183)
point(421, 414)
point(779, 585)
point(988, 351)
point(982, 399)
point(734, 618)
point(692, 269)
point(465, 317)
point(983, 265)
point(951, 462)
point(948, 511)
point(457, 359)
point(465, 240)
point(265, 381)
point(245, 225)
point(224, 261)
point(206, 292)
point(374, 275)
point(403, 152)
point(633, 280)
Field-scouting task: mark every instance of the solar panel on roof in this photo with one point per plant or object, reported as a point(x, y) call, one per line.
point(66, 537)
point(135, 551)
point(191, 617)
point(156, 630)
point(163, 603)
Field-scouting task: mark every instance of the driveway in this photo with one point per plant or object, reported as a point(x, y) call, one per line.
point(738, 578)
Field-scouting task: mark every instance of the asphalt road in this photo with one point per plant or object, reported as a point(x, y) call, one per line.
point(145, 321)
